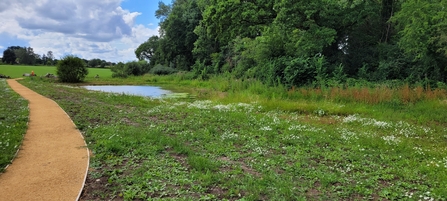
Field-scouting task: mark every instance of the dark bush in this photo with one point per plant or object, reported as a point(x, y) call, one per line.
point(71, 69)
point(145, 66)
point(134, 68)
point(162, 70)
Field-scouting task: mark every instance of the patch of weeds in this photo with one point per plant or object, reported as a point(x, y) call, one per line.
point(201, 163)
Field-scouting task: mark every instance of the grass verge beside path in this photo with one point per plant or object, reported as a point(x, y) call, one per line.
point(232, 150)
point(14, 115)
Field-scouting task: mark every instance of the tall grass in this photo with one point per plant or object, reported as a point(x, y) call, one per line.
point(377, 95)
point(404, 101)
point(368, 94)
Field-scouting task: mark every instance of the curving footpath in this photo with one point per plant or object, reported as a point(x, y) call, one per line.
point(53, 160)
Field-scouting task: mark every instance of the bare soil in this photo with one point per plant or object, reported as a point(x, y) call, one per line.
point(53, 159)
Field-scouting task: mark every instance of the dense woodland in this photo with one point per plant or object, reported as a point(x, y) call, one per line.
point(305, 42)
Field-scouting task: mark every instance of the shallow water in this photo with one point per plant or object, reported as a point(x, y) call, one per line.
point(149, 91)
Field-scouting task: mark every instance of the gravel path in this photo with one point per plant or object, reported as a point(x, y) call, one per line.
point(53, 159)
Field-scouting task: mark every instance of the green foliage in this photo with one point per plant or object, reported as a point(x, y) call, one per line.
point(423, 36)
point(71, 69)
point(119, 70)
point(148, 50)
point(9, 56)
point(25, 56)
point(338, 77)
point(293, 72)
point(200, 70)
point(162, 70)
point(133, 68)
point(95, 63)
point(201, 163)
point(276, 41)
point(177, 34)
point(145, 66)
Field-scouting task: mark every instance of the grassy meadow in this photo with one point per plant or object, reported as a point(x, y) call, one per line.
point(16, 71)
point(241, 140)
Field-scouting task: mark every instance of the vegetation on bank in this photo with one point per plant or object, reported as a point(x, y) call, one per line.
point(13, 123)
point(137, 68)
point(243, 140)
point(303, 43)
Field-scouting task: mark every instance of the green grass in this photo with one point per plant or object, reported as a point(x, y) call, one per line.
point(13, 123)
point(16, 71)
point(251, 142)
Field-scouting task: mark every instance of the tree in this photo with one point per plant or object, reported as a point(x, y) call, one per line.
point(25, 56)
point(94, 63)
point(226, 20)
point(423, 37)
point(38, 58)
point(147, 50)
point(296, 42)
point(50, 58)
point(9, 56)
point(71, 69)
point(178, 37)
point(163, 11)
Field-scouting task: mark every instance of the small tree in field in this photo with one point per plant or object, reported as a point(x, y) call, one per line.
point(71, 69)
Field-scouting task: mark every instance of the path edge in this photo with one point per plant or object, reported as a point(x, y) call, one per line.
point(86, 147)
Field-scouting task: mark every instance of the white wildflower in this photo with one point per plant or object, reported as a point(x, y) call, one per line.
point(266, 128)
point(391, 140)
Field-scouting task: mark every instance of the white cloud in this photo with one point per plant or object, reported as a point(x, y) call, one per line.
point(89, 29)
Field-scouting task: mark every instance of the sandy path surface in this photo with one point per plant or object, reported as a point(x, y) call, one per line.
point(52, 161)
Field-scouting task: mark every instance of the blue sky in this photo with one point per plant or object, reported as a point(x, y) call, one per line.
point(147, 9)
point(109, 30)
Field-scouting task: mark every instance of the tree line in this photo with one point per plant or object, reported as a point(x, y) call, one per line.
point(304, 42)
point(26, 56)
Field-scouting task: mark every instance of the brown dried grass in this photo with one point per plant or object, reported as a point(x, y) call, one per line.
point(380, 94)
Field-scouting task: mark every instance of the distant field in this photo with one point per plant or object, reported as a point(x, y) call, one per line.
point(16, 71)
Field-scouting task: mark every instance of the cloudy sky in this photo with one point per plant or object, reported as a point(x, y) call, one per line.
point(105, 29)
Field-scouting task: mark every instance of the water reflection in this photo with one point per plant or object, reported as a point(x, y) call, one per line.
point(149, 91)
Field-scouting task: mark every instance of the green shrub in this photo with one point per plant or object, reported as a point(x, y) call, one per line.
point(145, 66)
point(162, 70)
point(119, 70)
point(71, 69)
point(133, 68)
point(201, 70)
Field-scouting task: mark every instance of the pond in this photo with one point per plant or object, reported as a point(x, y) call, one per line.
point(150, 91)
